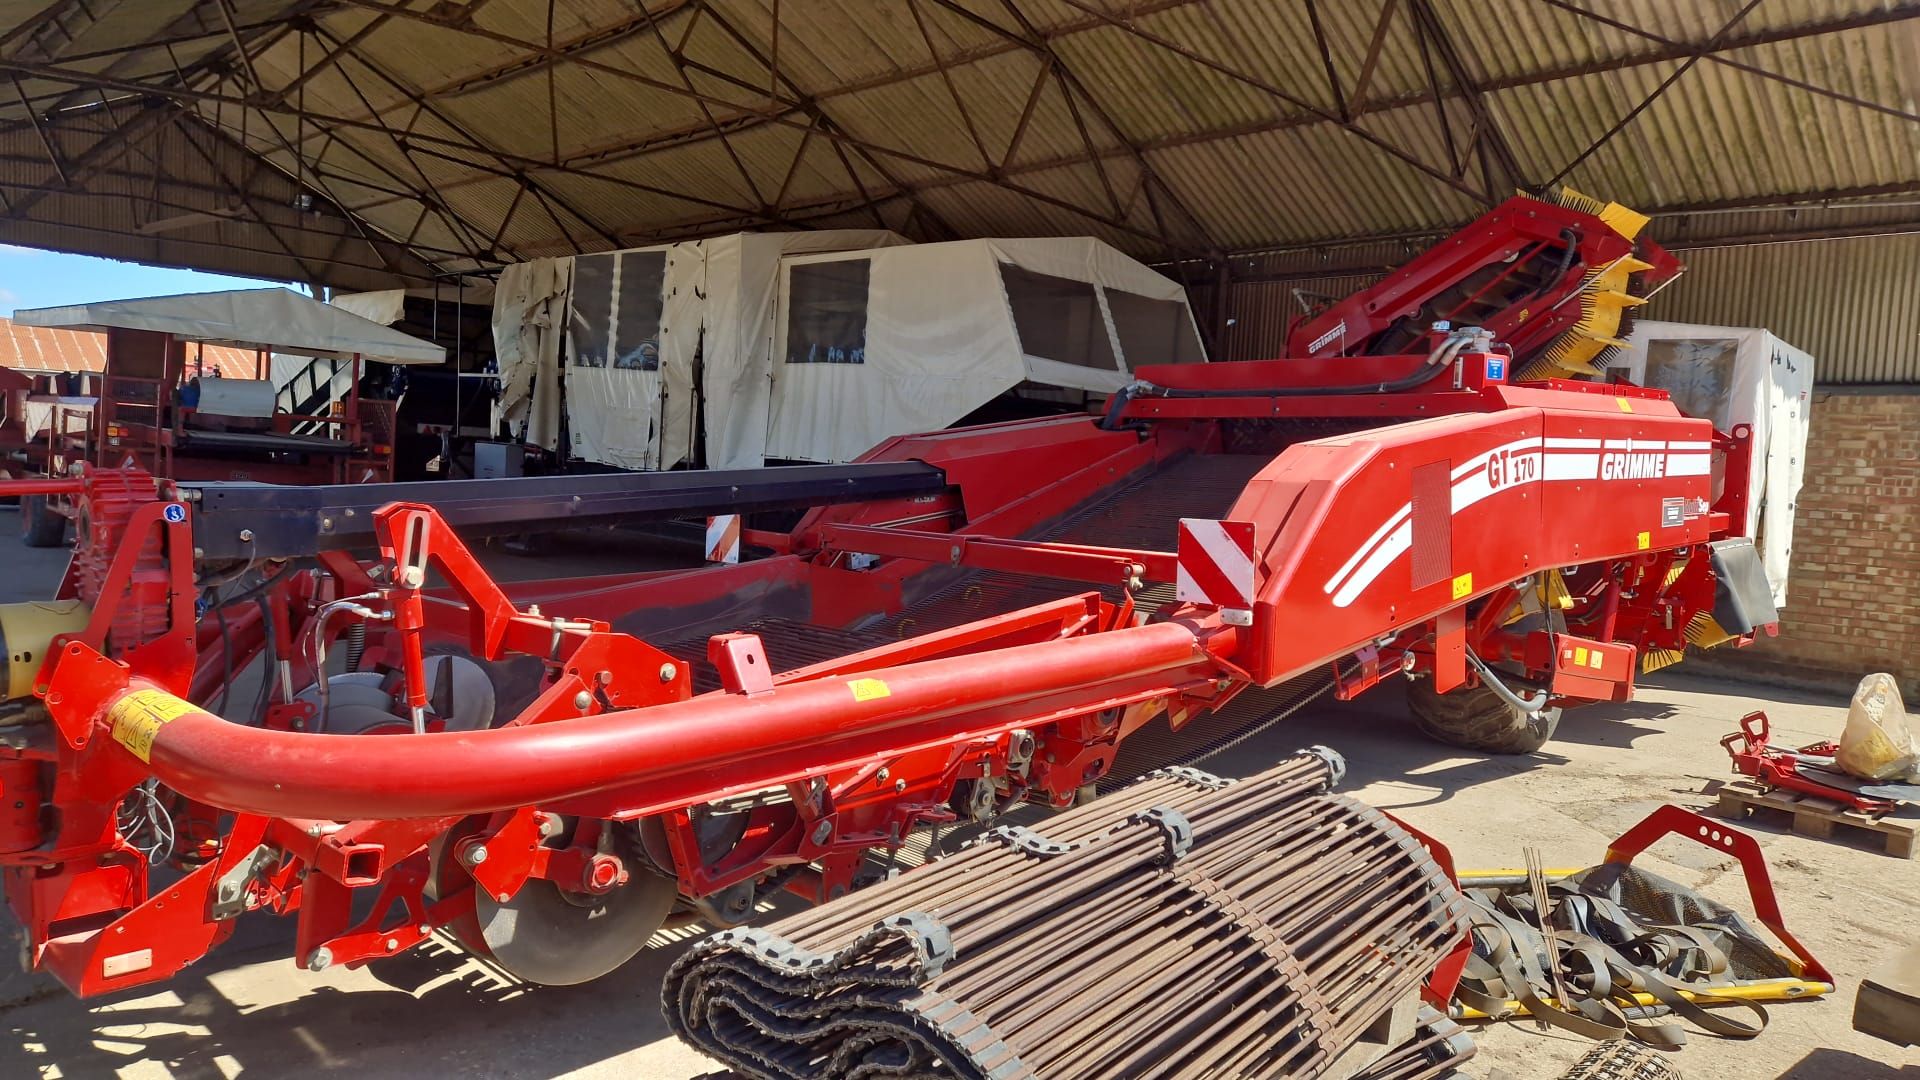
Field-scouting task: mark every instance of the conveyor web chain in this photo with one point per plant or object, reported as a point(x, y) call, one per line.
point(1258, 928)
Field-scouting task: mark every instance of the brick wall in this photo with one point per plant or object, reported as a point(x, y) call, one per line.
point(1854, 602)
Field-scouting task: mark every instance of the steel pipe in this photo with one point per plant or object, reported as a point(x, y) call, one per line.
point(671, 754)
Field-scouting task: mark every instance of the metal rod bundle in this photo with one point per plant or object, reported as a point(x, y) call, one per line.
point(1436, 1050)
point(1183, 927)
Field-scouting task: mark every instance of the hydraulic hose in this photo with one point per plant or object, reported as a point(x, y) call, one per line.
point(671, 754)
point(1437, 363)
point(1529, 706)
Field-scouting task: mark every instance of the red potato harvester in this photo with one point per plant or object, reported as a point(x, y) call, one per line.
point(962, 621)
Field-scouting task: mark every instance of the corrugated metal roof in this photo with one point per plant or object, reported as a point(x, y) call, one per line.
point(500, 129)
point(41, 350)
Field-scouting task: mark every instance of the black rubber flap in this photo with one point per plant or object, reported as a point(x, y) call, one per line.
point(1743, 598)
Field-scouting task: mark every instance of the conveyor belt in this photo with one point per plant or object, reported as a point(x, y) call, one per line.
point(1142, 512)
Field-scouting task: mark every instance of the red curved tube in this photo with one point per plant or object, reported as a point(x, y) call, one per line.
point(677, 751)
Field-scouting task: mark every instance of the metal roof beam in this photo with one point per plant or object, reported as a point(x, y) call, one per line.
point(1647, 102)
point(1308, 107)
point(216, 245)
point(1492, 140)
point(622, 148)
point(1715, 57)
point(1029, 37)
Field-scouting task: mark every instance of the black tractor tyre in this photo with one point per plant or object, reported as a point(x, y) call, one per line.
point(40, 525)
point(1475, 718)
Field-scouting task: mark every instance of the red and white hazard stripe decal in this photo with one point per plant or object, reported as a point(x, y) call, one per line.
point(723, 538)
point(1215, 564)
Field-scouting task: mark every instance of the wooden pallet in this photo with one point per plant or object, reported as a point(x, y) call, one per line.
point(1820, 818)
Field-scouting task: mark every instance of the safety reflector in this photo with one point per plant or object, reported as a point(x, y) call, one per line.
point(1215, 567)
point(723, 538)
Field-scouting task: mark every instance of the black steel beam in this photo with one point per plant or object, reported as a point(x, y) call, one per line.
point(274, 521)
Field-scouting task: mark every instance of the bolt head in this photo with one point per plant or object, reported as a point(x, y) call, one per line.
point(320, 959)
point(900, 785)
point(582, 700)
point(668, 672)
point(392, 944)
point(823, 832)
point(883, 774)
point(246, 535)
point(503, 897)
point(476, 854)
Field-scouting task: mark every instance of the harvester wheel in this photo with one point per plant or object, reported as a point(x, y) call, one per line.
point(40, 525)
point(1475, 718)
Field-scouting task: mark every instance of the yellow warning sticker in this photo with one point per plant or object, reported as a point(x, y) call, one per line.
point(868, 689)
point(1579, 656)
point(1625, 405)
point(1463, 586)
point(139, 716)
point(1645, 541)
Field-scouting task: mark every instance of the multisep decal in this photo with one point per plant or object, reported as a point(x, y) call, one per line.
point(1496, 368)
point(174, 513)
point(1505, 467)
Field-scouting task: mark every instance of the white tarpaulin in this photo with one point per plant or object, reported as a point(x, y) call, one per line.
point(384, 307)
point(633, 326)
point(1736, 375)
point(742, 287)
point(872, 344)
point(529, 319)
point(279, 320)
point(644, 325)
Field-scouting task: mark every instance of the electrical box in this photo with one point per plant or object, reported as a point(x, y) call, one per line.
point(492, 460)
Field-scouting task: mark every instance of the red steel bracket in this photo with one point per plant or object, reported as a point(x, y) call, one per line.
point(1677, 821)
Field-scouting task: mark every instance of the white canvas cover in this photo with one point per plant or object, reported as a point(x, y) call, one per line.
point(633, 324)
point(276, 319)
point(873, 344)
point(742, 287)
point(529, 320)
point(642, 324)
point(384, 306)
point(1740, 375)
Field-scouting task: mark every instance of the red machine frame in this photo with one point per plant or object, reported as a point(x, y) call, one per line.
point(1405, 547)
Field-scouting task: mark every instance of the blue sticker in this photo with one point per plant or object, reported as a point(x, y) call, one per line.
point(175, 513)
point(1496, 367)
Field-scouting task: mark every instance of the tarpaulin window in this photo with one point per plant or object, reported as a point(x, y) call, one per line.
point(1153, 331)
point(827, 312)
point(1058, 318)
point(1698, 373)
point(616, 305)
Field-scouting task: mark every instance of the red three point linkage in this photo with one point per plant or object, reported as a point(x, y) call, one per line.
point(409, 562)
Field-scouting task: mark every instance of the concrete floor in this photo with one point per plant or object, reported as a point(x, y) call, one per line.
point(246, 1010)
